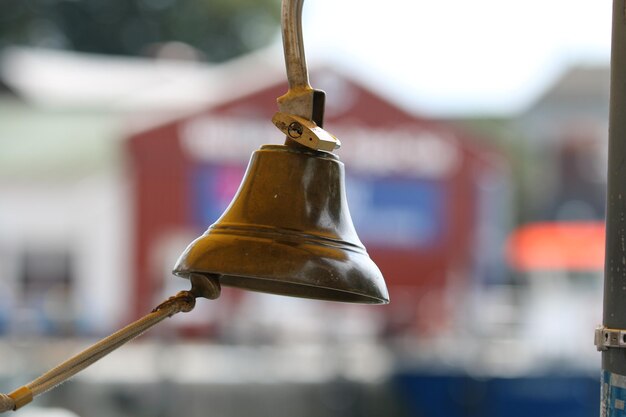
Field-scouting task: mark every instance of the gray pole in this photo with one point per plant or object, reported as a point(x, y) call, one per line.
point(614, 358)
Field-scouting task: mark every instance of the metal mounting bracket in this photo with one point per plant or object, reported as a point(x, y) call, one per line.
point(606, 338)
point(301, 110)
point(305, 132)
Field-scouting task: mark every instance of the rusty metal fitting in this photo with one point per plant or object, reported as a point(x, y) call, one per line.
point(184, 302)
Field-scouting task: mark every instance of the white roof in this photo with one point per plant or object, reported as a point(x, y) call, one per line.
point(53, 78)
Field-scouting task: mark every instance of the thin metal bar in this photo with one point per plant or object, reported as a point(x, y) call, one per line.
point(293, 44)
point(614, 360)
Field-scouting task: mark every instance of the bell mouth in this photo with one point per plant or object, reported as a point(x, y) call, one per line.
point(269, 286)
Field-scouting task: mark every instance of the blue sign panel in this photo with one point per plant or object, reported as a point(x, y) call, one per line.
point(459, 395)
point(214, 186)
point(399, 212)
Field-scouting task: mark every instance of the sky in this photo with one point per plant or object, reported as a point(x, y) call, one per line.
point(459, 56)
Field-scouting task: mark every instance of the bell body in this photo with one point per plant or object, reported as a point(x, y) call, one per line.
point(288, 231)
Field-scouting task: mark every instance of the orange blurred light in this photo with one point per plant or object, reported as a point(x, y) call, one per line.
point(575, 246)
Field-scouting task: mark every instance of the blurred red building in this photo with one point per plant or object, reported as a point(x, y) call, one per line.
point(429, 202)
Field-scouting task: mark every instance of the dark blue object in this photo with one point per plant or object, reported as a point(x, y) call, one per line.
point(464, 396)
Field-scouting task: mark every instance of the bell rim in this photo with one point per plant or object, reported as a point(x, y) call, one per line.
point(226, 279)
point(283, 265)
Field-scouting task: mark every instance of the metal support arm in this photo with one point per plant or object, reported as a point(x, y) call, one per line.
point(301, 110)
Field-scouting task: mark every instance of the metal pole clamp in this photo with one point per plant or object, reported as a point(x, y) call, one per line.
point(606, 338)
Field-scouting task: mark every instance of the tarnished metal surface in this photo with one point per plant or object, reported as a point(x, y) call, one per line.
point(288, 231)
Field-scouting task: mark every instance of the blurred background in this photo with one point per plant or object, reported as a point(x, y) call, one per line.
point(475, 139)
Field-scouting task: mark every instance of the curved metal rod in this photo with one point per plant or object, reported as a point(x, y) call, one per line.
point(293, 44)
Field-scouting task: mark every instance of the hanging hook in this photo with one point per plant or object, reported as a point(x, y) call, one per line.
point(301, 109)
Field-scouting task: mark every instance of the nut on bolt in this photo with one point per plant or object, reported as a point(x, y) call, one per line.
point(294, 130)
point(305, 132)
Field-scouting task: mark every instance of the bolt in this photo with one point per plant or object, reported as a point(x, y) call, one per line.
point(294, 130)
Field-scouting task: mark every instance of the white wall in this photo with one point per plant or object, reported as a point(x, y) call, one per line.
point(89, 217)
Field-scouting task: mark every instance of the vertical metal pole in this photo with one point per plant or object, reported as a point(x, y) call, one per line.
point(614, 359)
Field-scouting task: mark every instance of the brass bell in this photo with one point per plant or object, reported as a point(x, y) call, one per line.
point(288, 231)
